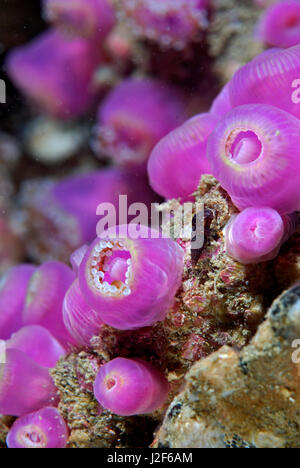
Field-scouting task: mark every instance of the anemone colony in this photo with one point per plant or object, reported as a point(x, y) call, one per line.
point(129, 309)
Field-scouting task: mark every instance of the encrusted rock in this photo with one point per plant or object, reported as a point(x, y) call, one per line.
point(244, 399)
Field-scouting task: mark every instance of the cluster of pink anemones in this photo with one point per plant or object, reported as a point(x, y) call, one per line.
point(33, 335)
point(33, 338)
point(253, 152)
point(55, 308)
point(126, 282)
point(250, 142)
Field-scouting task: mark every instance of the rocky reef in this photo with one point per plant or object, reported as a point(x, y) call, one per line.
point(247, 398)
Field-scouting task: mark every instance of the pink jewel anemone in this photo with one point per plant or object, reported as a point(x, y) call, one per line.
point(270, 78)
point(222, 103)
point(130, 386)
point(255, 154)
point(37, 343)
point(255, 235)
point(43, 429)
point(131, 282)
point(280, 24)
point(179, 160)
point(13, 290)
point(56, 74)
point(45, 296)
point(25, 386)
point(134, 117)
point(80, 319)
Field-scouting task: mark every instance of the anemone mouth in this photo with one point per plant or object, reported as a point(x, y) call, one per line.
point(111, 383)
point(292, 22)
point(111, 268)
point(32, 436)
point(243, 147)
point(255, 229)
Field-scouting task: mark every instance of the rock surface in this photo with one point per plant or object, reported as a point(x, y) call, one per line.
point(244, 399)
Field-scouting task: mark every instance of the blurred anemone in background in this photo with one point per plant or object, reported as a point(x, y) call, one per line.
point(172, 23)
point(56, 73)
